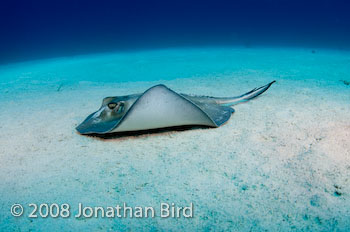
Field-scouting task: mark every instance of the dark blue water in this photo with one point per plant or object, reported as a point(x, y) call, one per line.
point(40, 29)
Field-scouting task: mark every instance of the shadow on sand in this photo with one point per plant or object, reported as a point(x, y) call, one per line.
point(145, 133)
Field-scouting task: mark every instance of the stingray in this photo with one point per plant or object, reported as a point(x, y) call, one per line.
point(160, 107)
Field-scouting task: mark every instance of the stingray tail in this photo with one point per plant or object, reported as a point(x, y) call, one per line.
point(245, 97)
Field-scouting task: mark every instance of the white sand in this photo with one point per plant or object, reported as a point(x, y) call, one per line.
point(277, 164)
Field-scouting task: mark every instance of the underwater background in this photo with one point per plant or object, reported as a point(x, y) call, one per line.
point(281, 163)
point(40, 29)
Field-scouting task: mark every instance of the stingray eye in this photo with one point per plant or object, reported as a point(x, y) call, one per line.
point(112, 105)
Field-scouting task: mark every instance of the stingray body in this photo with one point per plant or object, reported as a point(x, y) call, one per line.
point(161, 107)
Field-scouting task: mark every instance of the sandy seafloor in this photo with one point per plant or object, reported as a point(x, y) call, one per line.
point(281, 163)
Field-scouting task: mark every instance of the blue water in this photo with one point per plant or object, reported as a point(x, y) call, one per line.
point(40, 29)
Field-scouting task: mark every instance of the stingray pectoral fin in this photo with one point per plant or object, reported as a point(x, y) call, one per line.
point(218, 113)
point(244, 97)
point(160, 107)
point(91, 126)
